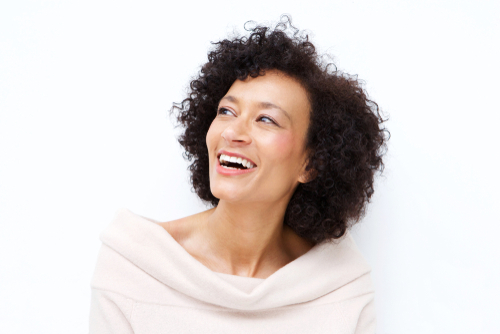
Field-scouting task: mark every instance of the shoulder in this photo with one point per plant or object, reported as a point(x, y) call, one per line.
point(136, 252)
point(127, 242)
point(182, 229)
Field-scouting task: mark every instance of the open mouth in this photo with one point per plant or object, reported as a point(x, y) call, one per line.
point(229, 162)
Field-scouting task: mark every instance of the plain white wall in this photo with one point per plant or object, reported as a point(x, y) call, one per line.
point(85, 89)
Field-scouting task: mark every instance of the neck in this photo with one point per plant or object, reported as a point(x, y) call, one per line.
point(247, 239)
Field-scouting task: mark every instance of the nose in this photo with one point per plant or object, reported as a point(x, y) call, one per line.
point(237, 133)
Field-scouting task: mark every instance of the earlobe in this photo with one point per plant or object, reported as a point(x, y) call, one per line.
point(307, 175)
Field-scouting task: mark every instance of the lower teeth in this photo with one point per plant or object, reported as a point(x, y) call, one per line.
point(230, 167)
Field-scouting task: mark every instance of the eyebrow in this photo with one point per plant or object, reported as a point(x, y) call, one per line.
point(264, 105)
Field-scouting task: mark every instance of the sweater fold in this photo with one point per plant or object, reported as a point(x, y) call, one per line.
point(141, 262)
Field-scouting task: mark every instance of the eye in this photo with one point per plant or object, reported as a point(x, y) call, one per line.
point(266, 119)
point(224, 111)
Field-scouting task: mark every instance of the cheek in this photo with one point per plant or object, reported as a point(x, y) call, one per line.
point(282, 147)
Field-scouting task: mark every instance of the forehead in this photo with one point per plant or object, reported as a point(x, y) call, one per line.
point(276, 88)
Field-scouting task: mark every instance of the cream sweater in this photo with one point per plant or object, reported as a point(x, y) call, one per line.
point(147, 283)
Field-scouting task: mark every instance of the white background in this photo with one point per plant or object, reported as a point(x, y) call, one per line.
point(85, 89)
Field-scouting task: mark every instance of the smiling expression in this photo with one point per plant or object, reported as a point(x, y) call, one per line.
point(264, 121)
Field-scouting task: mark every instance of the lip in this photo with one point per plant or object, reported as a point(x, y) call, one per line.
point(233, 154)
point(225, 171)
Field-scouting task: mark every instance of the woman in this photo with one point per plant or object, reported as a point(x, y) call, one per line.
point(285, 150)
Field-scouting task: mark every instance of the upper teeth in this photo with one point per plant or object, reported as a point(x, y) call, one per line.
point(240, 161)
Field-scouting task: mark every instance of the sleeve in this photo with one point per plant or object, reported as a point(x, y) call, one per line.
point(366, 321)
point(110, 312)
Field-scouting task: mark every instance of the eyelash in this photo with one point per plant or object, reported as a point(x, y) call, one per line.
point(269, 118)
point(261, 117)
point(221, 109)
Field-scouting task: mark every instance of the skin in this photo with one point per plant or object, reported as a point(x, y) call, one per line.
point(266, 119)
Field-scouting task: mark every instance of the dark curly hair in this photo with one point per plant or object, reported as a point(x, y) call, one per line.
point(345, 138)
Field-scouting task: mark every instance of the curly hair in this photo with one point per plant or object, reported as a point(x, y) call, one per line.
point(345, 137)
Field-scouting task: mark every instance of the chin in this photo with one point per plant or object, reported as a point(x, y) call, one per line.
point(226, 194)
point(227, 190)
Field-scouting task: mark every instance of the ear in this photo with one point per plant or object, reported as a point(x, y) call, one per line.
point(307, 176)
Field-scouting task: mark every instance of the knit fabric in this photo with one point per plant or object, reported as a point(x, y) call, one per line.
point(147, 283)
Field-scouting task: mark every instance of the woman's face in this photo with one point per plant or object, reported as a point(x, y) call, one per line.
point(263, 120)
